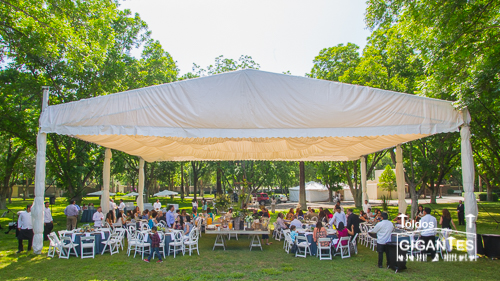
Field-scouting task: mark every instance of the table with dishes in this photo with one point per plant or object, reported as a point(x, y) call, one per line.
point(99, 236)
point(220, 240)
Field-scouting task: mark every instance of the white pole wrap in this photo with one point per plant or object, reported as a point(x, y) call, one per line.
point(400, 180)
point(468, 181)
point(38, 208)
point(363, 179)
point(105, 181)
point(140, 198)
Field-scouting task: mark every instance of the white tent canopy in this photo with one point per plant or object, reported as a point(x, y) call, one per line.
point(131, 194)
point(165, 193)
point(99, 193)
point(315, 192)
point(249, 115)
point(252, 115)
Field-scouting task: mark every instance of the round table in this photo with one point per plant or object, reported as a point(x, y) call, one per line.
point(88, 215)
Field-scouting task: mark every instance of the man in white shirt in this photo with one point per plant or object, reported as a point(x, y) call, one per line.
point(337, 218)
point(122, 205)
point(383, 230)
point(98, 217)
point(296, 222)
point(195, 205)
point(112, 205)
point(48, 222)
point(157, 205)
point(366, 206)
point(428, 225)
point(25, 227)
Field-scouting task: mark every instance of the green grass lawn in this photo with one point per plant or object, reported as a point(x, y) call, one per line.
point(236, 263)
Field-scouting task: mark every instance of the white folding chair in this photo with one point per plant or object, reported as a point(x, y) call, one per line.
point(192, 243)
point(285, 243)
point(121, 236)
point(343, 250)
point(87, 243)
point(327, 247)
point(161, 246)
point(54, 244)
point(302, 243)
point(354, 243)
point(131, 240)
point(66, 247)
point(140, 245)
point(288, 242)
point(177, 244)
point(111, 244)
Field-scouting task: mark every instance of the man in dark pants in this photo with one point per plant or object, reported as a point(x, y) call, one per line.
point(352, 222)
point(383, 230)
point(25, 228)
point(428, 225)
point(48, 223)
point(461, 213)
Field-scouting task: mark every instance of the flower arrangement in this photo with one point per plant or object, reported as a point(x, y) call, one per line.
point(236, 214)
point(86, 228)
point(249, 219)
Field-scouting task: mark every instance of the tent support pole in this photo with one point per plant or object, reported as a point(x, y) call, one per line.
point(468, 183)
point(38, 208)
point(400, 180)
point(363, 180)
point(140, 198)
point(105, 181)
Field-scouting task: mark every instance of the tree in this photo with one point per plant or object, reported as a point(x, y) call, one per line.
point(387, 180)
point(458, 41)
point(333, 62)
point(331, 176)
point(302, 186)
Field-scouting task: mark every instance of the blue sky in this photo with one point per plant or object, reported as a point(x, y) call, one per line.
point(279, 35)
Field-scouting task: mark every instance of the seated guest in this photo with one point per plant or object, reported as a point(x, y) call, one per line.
point(109, 217)
point(341, 232)
point(152, 221)
point(280, 222)
point(363, 217)
point(195, 214)
point(320, 232)
point(369, 214)
point(290, 215)
point(177, 213)
point(137, 210)
point(297, 223)
point(322, 216)
point(179, 223)
point(209, 213)
point(145, 215)
point(255, 215)
point(161, 217)
point(129, 215)
point(293, 233)
point(299, 213)
point(328, 214)
point(84, 207)
point(120, 219)
point(229, 214)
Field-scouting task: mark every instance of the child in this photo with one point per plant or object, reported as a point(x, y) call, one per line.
point(155, 245)
point(293, 233)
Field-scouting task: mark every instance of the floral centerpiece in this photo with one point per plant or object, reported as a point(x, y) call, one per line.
point(86, 228)
point(249, 220)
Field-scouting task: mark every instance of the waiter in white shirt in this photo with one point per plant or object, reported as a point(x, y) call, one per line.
point(25, 227)
point(383, 230)
point(338, 217)
point(122, 205)
point(98, 217)
point(48, 222)
point(157, 205)
point(366, 206)
point(428, 225)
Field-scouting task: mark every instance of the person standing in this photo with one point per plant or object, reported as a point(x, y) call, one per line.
point(353, 222)
point(461, 213)
point(98, 217)
point(338, 217)
point(48, 222)
point(428, 225)
point(383, 230)
point(195, 204)
point(273, 205)
point(71, 213)
point(157, 205)
point(170, 216)
point(446, 222)
point(366, 206)
point(25, 227)
point(121, 206)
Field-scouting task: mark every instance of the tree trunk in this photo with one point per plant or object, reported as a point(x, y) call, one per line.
point(219, 179)
point(414, 199)
point(433, 190)
point(302, 184)
point(489, 191)
point(195, 179)
point(182, 181)
point(330, 194)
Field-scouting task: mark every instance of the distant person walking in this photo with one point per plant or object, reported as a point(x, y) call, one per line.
point(461, 213)
point(71, 213)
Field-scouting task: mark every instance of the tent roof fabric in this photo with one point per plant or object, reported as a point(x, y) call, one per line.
point(252, 115)
point(311, 185)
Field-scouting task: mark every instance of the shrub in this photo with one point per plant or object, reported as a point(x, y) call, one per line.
point(483, 196)
point(494, 197)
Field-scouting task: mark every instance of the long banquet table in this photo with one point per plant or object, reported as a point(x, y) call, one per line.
point(221, 241)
